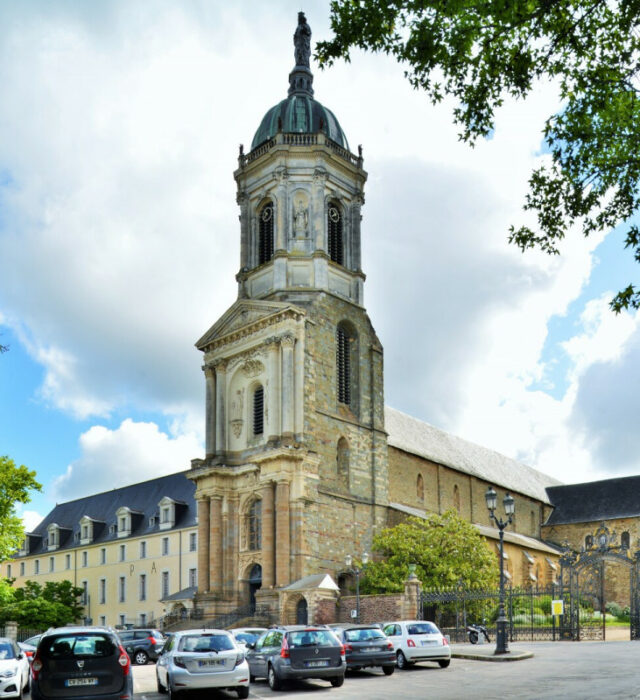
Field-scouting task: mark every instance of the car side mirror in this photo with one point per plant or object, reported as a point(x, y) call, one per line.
point(20, 656)
point(251, 645)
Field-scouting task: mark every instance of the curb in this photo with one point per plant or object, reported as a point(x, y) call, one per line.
point(517, 656)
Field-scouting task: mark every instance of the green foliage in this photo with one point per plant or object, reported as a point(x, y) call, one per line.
point(480, 52)
point(36, 607)
point(614, 609)
point(15, 485)
point(447, 551)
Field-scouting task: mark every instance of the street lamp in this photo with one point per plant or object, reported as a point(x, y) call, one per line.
point(491, 497)
point(357, 570)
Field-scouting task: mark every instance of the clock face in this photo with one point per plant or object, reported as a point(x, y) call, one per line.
point(266, 214)
point(334, 214)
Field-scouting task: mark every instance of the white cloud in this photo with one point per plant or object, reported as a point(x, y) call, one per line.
point(133, 452)
point(31, 519)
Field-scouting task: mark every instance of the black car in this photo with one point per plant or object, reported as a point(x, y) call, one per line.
point(142, 644)
point(297, 652)
point(366, 646)
point(81, 663)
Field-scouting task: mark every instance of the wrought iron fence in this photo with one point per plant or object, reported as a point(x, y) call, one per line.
point(528, 611)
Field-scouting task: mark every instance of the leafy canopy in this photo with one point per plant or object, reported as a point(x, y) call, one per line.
point(478, 52)
point(37, 607)
point(447, 551)
point(15, 485)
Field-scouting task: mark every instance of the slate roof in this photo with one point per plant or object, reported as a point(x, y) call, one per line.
point(416, 437)
point(141, 498)
point(595, 501)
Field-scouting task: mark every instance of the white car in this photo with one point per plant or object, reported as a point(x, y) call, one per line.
point(247, 635)
point(418, 640)
point(14, 669)
point(202, 659)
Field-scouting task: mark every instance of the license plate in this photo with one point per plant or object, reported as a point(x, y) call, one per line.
point(72, 682)
point(316, 664)
point(427, 642)
point(211, 662)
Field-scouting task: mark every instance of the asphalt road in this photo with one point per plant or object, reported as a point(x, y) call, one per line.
point(567, 670)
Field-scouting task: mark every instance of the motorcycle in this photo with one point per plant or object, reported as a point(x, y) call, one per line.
point(474, 632)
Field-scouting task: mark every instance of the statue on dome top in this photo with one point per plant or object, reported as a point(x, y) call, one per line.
point(302, 41)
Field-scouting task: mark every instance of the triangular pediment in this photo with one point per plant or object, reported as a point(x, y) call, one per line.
point(243, 314)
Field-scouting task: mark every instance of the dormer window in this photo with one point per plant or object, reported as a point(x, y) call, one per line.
point(167, 513)
point(123, 518)
point(87, 529)
point(112, 529)
point(53, 536)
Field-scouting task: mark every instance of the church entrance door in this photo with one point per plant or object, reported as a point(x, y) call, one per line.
point(302, 612)
point(255, 583)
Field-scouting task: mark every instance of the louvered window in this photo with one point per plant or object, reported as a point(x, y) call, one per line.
point(258, 411)
point(334, 227)
point(343, 367)
point(265, 233)
point(254, 526)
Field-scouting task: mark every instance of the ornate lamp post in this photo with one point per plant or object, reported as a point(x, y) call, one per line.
point(357, 570)
point(491, 497)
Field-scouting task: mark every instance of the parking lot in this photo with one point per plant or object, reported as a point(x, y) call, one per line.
point(567, 670)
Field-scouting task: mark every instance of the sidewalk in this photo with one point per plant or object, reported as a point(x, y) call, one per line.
point(486, 652)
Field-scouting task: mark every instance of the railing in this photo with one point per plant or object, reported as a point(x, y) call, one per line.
point(222, 621)
point(298, 139)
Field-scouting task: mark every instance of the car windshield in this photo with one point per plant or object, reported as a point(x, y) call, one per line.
point(6, 651)
point(307, 638)
point(363, 635)
point(85, 645)
point(247, 637)
point(423, 628)
point(206, 642)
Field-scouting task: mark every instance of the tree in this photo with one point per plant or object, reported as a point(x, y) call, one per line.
point(447, 551)
point(480, 52)
point(33, 606)
point(15, 485)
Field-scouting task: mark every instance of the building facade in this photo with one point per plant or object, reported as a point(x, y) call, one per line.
point(130, 549)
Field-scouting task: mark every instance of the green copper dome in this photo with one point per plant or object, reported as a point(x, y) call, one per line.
point(299, 114)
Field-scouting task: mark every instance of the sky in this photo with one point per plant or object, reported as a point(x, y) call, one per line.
point(119, 243)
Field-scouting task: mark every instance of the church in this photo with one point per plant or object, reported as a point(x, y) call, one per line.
point(303, 461)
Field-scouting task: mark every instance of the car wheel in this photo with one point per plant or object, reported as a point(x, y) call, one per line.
point(252, 678)
point(243, 691)
point(173, 693)
point(388, 670)
point(140, 657)
point(272, 677)
point(337, 682)
point(444, 663)
point(401, 660)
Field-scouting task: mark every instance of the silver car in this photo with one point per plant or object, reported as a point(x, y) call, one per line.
point(201, 659)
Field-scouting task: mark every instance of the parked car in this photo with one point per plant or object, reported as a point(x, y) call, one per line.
point(418, 640)
point(14, 669)
point(142, 644)
point(366, 646)
point(202, 659)
point(246, 635)
point(81, 662)
point(297, 652)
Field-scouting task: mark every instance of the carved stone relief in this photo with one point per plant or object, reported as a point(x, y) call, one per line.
point(300, 215)
point(236, 408)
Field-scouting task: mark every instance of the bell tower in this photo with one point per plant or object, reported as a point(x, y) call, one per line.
point(295, 471)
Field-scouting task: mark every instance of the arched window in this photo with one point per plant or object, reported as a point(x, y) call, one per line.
point(456, 498)
point(334, 231)
point(625, 540)
point(258, 411)
point(588, 541)
point(265, 233)
point(420, 488)
point(343, 462)
point(343, 365)
point(254, 526)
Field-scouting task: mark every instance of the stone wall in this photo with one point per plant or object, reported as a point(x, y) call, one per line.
point(373, 608)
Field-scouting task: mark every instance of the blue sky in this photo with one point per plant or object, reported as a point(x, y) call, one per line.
point(119, 242)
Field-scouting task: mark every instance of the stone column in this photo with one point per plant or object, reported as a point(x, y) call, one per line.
point(268, 552)
point(356, 218)
point(273, 395)
point(288, 399)
point(221, 377)
point(215, 582)
point(232, 548)
point(317, 223)
point(243, 201)
point(282, 210)
point(203, 545)
point(210, 411)
point(411, 598)
point(283, 527)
